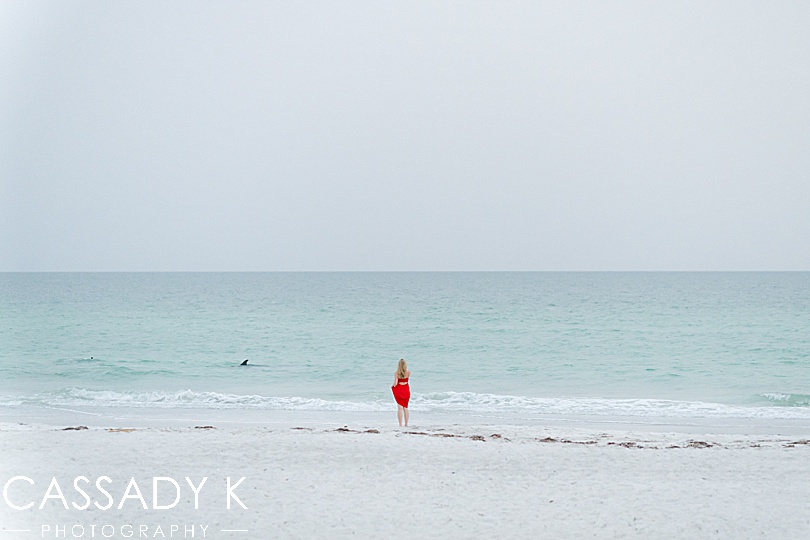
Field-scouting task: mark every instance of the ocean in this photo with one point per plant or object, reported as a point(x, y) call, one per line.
point(510, 346)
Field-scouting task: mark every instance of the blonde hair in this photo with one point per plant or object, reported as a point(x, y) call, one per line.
point(402, 368)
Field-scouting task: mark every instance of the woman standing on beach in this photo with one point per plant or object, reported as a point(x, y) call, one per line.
point(401, 389)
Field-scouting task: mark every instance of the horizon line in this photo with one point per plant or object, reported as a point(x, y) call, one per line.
point(638, 271)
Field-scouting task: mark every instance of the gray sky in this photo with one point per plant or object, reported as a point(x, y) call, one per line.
point(405, 135)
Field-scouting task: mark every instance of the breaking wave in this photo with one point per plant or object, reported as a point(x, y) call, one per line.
point(444, 402)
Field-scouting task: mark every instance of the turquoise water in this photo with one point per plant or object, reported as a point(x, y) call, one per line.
point(642, 344)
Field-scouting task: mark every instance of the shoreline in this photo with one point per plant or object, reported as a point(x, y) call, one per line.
point(189, 417)
point(521, 434)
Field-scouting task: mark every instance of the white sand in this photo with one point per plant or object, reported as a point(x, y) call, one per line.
point(417, 483)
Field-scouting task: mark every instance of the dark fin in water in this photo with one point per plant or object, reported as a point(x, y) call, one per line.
point(245, 362)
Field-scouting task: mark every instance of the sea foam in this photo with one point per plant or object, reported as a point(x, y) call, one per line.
point(462, 403)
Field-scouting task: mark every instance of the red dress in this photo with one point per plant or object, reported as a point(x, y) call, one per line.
point(402, 392)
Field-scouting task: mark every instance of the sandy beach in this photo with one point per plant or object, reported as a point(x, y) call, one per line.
point(368, 481)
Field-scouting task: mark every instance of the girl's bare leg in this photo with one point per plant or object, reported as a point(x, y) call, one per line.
point(406, 417)
point(399, 416)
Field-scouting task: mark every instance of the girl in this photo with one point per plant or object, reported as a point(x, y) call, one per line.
point(402, 392)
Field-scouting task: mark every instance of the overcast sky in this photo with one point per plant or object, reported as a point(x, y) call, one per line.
point(404, 135)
